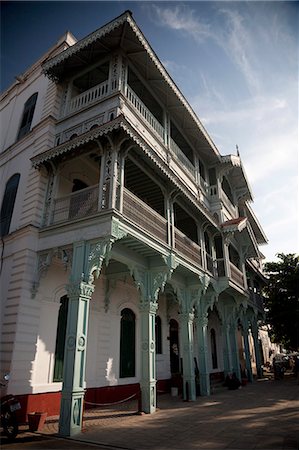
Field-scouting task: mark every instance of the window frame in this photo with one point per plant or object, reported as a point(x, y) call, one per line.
point(8, 203)
point(27, 116)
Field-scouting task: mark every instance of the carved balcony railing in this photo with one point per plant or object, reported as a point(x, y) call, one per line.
point(144, 216)
point(187, 247)
point(76, 205)
point(88, 97)
point(144, 112)
point(256, 300)
point(175, 149)
point(236, 275)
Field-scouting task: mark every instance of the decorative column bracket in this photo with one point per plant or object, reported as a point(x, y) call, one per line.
point(44, 261)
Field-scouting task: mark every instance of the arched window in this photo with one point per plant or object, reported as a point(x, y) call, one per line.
point(8, 203)
point(158, 333)
point(60, 338)
point(27, 117)
point(127, 344)
point(214, 349)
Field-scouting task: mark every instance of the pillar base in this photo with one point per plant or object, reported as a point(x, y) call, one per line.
point(148, 397)
point(204, 381)
point(71, 412)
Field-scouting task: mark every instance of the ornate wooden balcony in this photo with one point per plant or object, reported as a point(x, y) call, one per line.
point(235, 274)
point(187, 247)
point(144, 112)
point(88, 97)
point(76, 205)
point(144, 216)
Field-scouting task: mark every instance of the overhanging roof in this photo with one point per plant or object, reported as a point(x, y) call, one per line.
point(123, 33)
point(256, 226)
point(232, 165)
point(243, 233)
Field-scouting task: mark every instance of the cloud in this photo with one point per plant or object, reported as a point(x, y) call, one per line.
point(237, 43)
point(233, 37)
point(183, 18)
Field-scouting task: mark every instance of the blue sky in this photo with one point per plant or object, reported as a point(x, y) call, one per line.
point(235, 62)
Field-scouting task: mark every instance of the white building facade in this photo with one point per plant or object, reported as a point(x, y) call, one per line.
point(130, 257)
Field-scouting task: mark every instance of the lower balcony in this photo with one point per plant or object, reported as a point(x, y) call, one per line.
point(235, 274)
point(84, 204)
point(256, 300)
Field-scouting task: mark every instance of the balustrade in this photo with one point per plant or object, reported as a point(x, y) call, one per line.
point(88, 97)
point(76, 205)
point(187, 247)
point(144, 111)
point(257, 300)
point(236, 274)
point(144, 216)
point(175, 149)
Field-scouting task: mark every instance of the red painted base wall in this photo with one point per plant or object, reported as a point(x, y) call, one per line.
point(49, 402)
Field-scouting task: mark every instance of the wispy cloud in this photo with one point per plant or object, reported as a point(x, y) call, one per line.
point(183, 18)
point(236, 42)
point(233, 37)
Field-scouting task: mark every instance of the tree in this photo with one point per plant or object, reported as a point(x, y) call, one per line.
point(282, 299)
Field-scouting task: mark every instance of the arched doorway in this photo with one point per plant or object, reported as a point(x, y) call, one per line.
point(174, 353)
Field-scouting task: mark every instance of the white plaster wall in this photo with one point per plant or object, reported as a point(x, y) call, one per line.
point(13, 106)
point(51, 289)
point(102, 363)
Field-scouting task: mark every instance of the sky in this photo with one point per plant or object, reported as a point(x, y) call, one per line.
point(235, 62)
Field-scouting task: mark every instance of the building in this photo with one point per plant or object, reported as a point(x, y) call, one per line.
point(129, 247)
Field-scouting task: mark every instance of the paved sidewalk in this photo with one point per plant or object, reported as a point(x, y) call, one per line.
point(262, 415)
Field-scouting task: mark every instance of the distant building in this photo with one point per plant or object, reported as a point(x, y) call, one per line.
point(129, 247)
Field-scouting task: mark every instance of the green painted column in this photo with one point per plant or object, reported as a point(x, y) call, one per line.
point(247, 351)
point(227, 353)
point(235, 351)
point(254, 330)
point(87, 259)
point(202, 336)
point(73, 388)
point(148, 356)
point(149, 283)
point(186, 331)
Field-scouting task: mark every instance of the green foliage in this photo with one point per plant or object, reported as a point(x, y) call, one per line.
point(282, 299)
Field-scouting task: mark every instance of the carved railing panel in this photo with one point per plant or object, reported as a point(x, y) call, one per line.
point(187, 247)
point(236, 275)
point(144, 216)
point(88, 97)
point(145, 112)
point(76, 205)
point(175, 149)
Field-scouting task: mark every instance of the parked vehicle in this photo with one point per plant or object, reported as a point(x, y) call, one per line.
point(8, 407)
